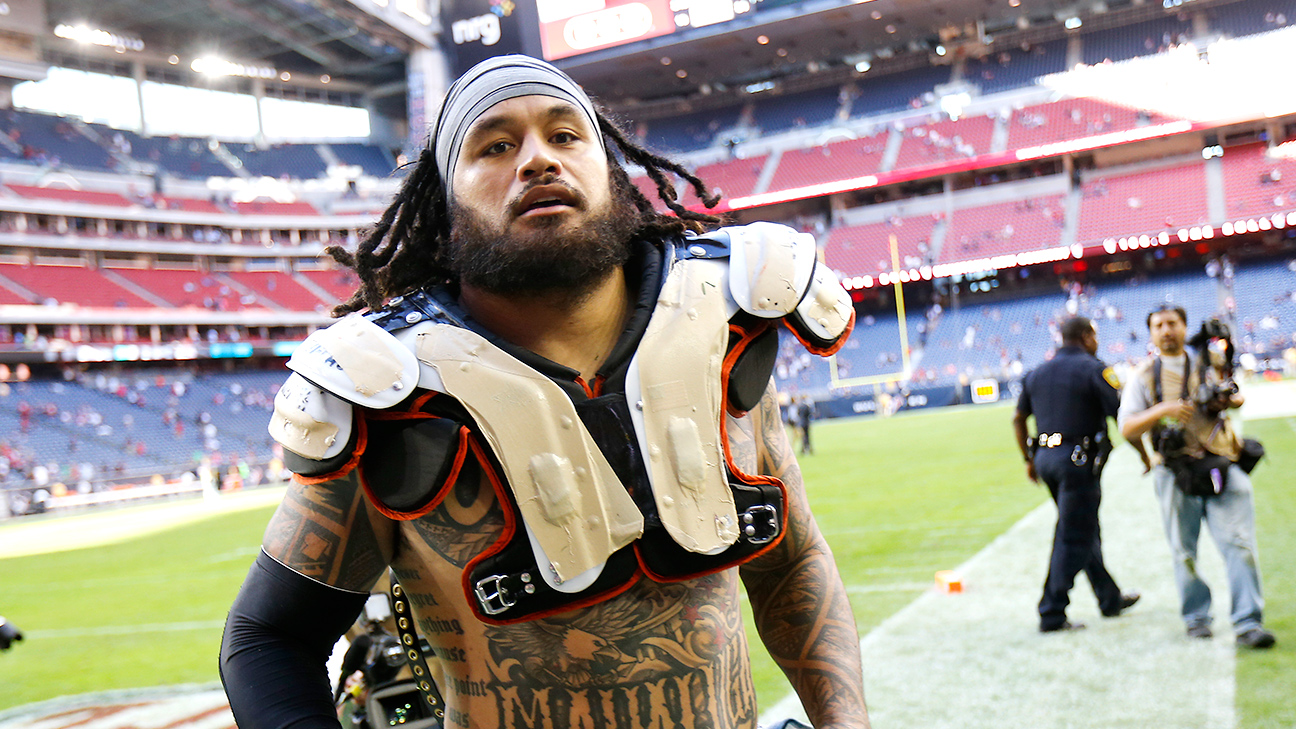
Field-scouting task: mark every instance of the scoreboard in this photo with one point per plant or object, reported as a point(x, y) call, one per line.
point(557, 29)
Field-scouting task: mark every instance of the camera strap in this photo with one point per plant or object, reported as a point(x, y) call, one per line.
point(414, 650)
point(1156, 378)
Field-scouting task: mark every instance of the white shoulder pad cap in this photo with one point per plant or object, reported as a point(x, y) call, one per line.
point(769, 267)
point(358, 361)
point(826, 311)
point(310, 421)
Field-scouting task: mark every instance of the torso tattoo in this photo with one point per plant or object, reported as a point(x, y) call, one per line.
point(658, 656)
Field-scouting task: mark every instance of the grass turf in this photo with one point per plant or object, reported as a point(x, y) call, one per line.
point(897, 499)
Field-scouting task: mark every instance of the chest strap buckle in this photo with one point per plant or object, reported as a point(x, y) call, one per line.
point(760, 524)
point(498, 593)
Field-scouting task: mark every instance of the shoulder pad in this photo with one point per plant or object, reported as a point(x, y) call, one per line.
point(310, 421)
point(770, 266)
point(412, 309)
point(359, 361)
point(825, 317)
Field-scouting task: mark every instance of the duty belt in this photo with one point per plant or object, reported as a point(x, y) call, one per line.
point(1057, 440)
point(1081, 446)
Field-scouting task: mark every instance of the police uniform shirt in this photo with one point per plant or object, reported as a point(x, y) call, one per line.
point(1072, 394)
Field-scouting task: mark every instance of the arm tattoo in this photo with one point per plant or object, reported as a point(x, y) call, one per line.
point(800, 605)
point(326, 532)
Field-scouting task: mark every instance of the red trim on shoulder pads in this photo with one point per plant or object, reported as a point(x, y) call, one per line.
point(511, 527)
point(362, 440)
point(824, 351)
point(437, 498)
point(745, 338)
point(566, 607)
point(747, 479)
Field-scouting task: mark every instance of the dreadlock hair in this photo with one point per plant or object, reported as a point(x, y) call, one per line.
point(402, 252)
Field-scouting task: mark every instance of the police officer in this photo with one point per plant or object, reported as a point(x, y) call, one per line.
point(1071, 397)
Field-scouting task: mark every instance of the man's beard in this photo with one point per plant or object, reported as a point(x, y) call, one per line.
point(546, 259)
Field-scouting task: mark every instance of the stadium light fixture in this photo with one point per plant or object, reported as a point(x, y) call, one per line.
point(862, 66)
point(213, 66)
point(85, 35)
point(1073, 22)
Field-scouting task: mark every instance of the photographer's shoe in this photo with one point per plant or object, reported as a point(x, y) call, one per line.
point(1256, 638)
point(1200, 631)
point(1126, 602)
point(1066, 626)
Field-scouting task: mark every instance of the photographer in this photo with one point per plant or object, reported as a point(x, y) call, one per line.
point(1196, 472)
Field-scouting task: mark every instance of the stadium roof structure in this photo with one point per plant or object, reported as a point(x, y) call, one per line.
point(312, 39)
point(818, 42)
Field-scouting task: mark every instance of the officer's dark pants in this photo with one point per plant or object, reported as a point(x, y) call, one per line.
point(1077, 544)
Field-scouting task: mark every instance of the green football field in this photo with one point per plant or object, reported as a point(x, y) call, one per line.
point(898, 499)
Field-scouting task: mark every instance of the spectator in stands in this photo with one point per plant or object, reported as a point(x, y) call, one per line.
point(1186, 436)
point(519, 222)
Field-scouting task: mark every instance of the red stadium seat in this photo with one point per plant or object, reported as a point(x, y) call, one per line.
point(840, 160)
point(1145, 202)
point(1011, 227)
point(1255, 184)
point(945, 141)
point(866, 249)
point(72, 285)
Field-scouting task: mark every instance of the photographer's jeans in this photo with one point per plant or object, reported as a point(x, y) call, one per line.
point(1230, 517)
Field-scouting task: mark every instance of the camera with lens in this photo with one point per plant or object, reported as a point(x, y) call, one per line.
point(9, 634)
point(1214, 345)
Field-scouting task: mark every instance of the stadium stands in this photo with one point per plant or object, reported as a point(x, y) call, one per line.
point(690, 131)
point(71, 284)
point(892, 92)
point(63, 194)
point(1017, 67)
point(829, 162)
point(341, 283)
point(1138, 39)
point(183, 157)
point(270, 207)
point(50, 140)
point(1143, 202)
point(945, 141)
point(136, 423)
point(9, 296)
point(731, 178)
point(186, 288)
point(1255, 183)
point(1010, 227)
point(1266, 304)
point(298, 161)
point(278, 288)
point(374, 160)
point(189, 205)
point(1258, 16)
point(865, 249)
point(799, 110)
point(1073, 119)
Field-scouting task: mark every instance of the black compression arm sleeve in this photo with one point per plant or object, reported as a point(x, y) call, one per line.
point(278, 636)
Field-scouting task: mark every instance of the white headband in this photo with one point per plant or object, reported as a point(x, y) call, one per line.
point(487, 84)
